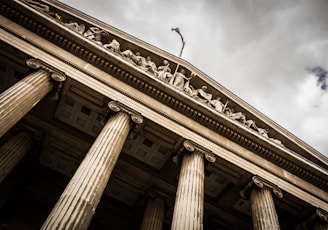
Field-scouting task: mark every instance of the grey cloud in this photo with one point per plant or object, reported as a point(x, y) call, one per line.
point(260, 50)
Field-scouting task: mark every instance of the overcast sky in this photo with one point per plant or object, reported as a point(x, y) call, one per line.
point(260, 50)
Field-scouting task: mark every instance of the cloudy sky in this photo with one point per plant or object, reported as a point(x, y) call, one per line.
point(261, 50)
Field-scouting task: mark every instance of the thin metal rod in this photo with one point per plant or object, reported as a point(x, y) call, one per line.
point(183, 42)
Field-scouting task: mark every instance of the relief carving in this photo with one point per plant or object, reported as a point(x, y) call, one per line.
point(113, 46)
point(179, 79)
point(218, 105)
point(79, 28)
point(202, 96)
point(163, 72)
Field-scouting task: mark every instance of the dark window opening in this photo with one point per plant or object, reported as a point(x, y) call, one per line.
point(85, 110)
point(148, 142)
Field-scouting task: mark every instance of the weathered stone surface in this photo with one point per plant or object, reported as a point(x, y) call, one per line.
point(154, 214)
point(77, 204)
point(189, 203)
point(12, 152)
point(16, 101)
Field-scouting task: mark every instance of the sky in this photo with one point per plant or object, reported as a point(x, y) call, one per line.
point(261, 50)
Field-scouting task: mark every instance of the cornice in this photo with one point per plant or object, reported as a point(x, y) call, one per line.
point(276, 130)
point(51, 28)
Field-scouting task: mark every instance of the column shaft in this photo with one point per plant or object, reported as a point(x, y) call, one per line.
point(12, 152)
point(16, 101)
point(263, 210)
point(189, 203)
point(77, 204)
point(154, 215)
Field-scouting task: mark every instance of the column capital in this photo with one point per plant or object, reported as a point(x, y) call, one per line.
point(260, 182)
point(55, 74)
point(322, 214)
point(116, 106)
point(191, 146)
point(58, 76)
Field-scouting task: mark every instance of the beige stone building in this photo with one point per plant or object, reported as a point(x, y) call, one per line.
point(100, 130)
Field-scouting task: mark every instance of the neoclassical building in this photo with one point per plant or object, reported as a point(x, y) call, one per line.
point(100, 130)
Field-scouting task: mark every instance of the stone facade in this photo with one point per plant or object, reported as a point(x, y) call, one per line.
point(93, 121)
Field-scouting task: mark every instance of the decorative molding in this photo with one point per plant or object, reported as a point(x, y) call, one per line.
point(191, 146)
point(55, 74)
point(177, 78)
point(323, 215)
point(215, 121)
point(58, 76)
point(116, 106)
point(261, 183)
point(319, 217)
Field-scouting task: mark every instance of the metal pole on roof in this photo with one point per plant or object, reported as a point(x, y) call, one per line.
point(183, 42)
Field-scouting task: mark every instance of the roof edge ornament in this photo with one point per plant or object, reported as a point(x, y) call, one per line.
point(177, 79)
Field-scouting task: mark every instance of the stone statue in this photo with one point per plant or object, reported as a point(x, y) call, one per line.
point(189, 89)
point(76, 27)
point(93, 33)
point(178, 80)
point(164, 72)
point(44, 8)
point(140, 61)
point(150, 65)
point(218, 105)
point(278, 142)
point(202, 96)
point(250, 124)
point(263, 132)
point(129, 55)
point(113, 46)
point(96, 34)
point(38, 6)
point(235, 116)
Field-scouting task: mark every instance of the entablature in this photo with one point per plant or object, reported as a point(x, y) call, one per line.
point(247, 127)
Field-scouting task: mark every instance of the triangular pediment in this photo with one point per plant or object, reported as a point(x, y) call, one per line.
point(170, 80)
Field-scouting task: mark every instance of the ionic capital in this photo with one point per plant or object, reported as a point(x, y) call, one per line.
point(58, 76)
point(116, 106)
point(259, 182)
point(191, 146)
point(323, 215)
point(55, 74)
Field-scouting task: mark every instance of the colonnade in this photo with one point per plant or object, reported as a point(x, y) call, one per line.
point(78, 202)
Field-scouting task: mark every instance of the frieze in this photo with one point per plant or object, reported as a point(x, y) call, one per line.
point(215, 103)
point(176, 78)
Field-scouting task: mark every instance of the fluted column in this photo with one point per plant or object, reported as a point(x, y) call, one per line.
point(12, 152)
point(154, 214)
point(16, 101)
point(264, 213)
point(77, 204)
point(189, 202)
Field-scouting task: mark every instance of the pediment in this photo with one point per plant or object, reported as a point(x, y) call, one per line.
point(123, 57)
